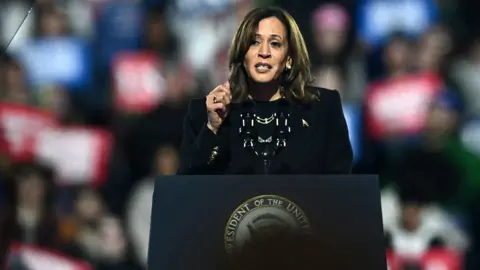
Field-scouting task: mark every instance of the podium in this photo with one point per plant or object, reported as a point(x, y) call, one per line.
point(198, 221)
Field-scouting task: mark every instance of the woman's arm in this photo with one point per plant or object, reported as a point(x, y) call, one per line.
point(199, 146)
point(339, 154)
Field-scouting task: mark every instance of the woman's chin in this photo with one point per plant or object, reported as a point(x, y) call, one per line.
point(262, 78)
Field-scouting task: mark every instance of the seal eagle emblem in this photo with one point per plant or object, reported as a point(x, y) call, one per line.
point(263, 215)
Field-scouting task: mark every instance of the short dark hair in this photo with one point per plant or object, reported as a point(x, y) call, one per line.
point(294, 80)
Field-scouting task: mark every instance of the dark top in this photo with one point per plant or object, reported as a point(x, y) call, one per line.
point(317, 144)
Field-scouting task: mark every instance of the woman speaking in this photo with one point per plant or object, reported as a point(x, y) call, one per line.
point(266, 119)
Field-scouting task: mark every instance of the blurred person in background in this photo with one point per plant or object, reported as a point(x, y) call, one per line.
point(79, 229)
point(52, 22)
point(415, 225)
point(13, 85)
point(214, 21)
point(378, 20)
point(387, 103)
point(397, 56)
point(158, 36)
point(58, 101)
point(441, 171)
point(219, 71)
point(334, 66)
point(432, 49)
point(139, 207)
point(159, 39)
point(440, 152)
point(139, 134)
point(29, 214)
point(94, 235)
point(84, 17)
point(464, 72)
point(114, 251)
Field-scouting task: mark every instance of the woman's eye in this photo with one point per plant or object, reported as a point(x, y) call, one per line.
point(255, 42)
point(276, 44)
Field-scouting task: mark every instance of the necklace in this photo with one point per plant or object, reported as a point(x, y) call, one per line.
point(262, 140)
point(266, 120)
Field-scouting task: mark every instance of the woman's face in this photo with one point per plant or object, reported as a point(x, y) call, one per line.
point(396, 55)
point(53, 25)
point(267, 56)
point(166, 163)
point(411, 216)
point(31, 189)
point(330, 41)
point(88, 205)
point(156, 31)
point(14, 84)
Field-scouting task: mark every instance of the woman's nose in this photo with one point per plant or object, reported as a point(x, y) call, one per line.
point(264, 52)
point(264, 55)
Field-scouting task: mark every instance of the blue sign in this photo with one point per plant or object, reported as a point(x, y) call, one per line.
point(378, 19)
point(199, 8)
point(63, 61)
point(119, 28)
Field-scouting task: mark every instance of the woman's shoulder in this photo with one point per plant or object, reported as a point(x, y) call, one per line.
point(324, 98)
point(323, 94)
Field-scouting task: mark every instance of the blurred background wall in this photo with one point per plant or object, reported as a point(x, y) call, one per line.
point(93, 93)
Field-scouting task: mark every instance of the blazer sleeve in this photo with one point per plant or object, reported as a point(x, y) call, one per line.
point(339, 153)
point(199, 143)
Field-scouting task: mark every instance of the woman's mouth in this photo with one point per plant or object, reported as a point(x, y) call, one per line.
point(263, 67)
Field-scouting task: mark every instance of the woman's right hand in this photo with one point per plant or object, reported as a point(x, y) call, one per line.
point(217, 106)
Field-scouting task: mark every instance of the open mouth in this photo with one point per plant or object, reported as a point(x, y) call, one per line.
point(263, 66)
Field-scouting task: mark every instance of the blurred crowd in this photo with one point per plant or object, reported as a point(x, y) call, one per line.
point(93, 93)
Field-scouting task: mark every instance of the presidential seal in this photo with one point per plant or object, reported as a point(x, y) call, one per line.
point(265, 214)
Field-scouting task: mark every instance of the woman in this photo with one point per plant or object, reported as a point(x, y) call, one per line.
point(266, 119)
point(28, 216)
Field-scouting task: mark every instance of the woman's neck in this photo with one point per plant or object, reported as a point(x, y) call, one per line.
point(30, 205)
point(264, 91)
point(28, 215)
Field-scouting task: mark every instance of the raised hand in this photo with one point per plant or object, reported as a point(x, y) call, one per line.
point(217, 104)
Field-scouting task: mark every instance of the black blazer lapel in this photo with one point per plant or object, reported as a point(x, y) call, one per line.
point(301, 123)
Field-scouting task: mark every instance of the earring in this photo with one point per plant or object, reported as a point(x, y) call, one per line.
point(288, 66)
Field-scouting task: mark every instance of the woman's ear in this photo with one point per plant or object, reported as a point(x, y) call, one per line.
point(288, 64)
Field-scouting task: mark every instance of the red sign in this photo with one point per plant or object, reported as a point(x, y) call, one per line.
point(78, 154)
point(19, 125)
point(399, 106)
point(435, 259)
point(139, 84)
point(442, 259)
point(36, 258)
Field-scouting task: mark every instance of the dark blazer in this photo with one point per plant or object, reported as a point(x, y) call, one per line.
point(318, 142)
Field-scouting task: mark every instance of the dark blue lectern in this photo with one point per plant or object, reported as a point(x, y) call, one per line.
point(198, 220)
